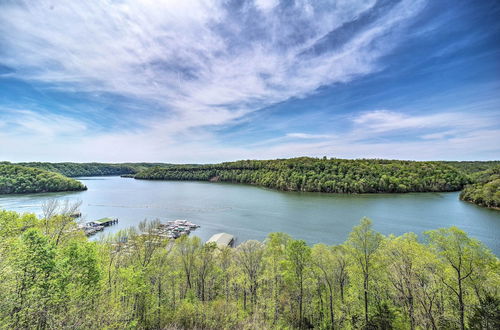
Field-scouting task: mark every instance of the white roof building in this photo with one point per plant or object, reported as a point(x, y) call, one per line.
point(222, 240)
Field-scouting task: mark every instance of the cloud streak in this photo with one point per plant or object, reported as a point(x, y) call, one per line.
point(205, 62)
point(186, 70)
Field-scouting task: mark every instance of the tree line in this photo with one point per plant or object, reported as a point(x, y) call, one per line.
point(83, 169)
point(53, 277)
point(90, 169)
point(473, 167)
point(486, 190)
point(323, 175)
point(15, 179)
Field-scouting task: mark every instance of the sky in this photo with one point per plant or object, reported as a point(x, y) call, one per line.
point(209, 81)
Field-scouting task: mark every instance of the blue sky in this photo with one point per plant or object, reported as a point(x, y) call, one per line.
point(208, 81)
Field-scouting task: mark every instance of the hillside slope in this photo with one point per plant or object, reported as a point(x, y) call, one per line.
point(92, 169)
point(323, 175)
point(486, 190)
point(15, 179)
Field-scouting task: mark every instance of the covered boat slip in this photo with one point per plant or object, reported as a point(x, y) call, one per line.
point(105, 222)
point(222, 240)
point(92, 227)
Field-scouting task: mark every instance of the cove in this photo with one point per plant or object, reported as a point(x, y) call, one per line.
point(250, 212)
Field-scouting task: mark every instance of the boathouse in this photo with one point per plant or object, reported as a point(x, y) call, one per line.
point(105, 222)
point(222, 240)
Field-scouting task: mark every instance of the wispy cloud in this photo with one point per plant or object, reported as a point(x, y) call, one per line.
point(196, 67)
point(307, 136)
point(205, 62)
point(30, 123)
point(436, 125)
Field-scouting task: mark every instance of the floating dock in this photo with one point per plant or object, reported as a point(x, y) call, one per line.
point(105, 222)
point(92, 227)
point(176, 228)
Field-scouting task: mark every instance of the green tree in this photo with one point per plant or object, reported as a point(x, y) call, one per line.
point(297, 262)
point(364, 243)
point(34, 268)
point(464, 256)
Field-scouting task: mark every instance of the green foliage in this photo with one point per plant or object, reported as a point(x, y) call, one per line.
point(322, 175)
point(15, 179)
point(83, 169)
point(139, 280)
point(486, 190)
point(91, 169)
point(486, 314)
point(471, 167)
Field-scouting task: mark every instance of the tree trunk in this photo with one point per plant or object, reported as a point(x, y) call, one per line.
point(244, 299)
point(411, 312)
point(300, 303)
point(365, 286)
point(342, 292)
point(332, 317)
point(461, 303)
point(159, 304)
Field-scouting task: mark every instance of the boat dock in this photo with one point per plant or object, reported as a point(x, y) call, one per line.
point(92, 227)
point(175, 229)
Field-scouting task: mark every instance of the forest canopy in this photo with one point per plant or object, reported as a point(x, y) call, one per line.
point(323, 175)
point(15, 179)
point(486, 190)
point(83, 169)
point(54, 278)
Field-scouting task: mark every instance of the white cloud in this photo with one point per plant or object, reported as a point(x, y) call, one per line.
point(434, 126)
point(209, 66)
point(307, 136)
point(31, 123)
point(459, 142)
point(195, 58)
point(266, 5)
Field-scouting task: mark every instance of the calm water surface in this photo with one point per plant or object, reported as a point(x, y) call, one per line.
point(250, 212)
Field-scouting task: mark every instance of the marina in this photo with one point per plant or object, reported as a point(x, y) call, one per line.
point(175, 229)
point(250, 212)
point(171, 230)
point(93, 227)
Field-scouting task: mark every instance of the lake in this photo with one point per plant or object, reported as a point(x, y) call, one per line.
point(250, 212)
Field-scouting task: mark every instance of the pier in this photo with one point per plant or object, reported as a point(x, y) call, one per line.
point(176, 228)
point(93, 227)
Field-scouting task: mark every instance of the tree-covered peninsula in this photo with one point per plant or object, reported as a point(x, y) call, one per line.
point(15, 179)
point(52, 277)
point(323, 175)
point(486, 190)
point(92, 169)
point(83, 169)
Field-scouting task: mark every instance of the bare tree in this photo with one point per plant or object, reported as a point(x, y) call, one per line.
point(58, 217)
point(249, 257)
point(49, 209)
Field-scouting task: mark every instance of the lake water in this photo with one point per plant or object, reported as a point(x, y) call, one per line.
point(249, 212)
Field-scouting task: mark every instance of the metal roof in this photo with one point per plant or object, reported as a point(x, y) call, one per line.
point(103, 220)
point(222, 239)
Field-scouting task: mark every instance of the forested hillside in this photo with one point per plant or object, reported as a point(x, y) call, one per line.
point(472, 167)
point(53, 278)
point(323, 175)
point(83, 169)
point(15, 179)
point(486, 190)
